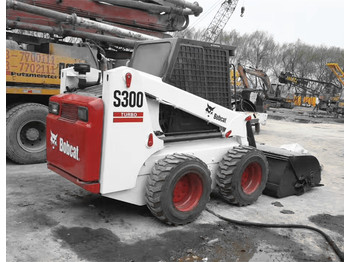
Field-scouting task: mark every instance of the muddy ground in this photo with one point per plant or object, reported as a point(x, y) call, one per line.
point(51, 219)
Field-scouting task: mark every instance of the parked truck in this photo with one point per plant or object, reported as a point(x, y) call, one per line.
point(31, 77)
point(45, 36)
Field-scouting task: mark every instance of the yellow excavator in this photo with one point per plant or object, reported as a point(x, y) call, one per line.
point(271, 97)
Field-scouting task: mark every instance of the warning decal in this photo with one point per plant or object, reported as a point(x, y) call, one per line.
point(127, 117)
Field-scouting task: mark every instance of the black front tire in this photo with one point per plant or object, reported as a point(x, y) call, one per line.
point(242, 175)
point(178, 189)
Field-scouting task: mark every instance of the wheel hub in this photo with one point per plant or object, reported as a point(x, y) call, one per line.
point(32, 134)
point(251, 178)
point(187, 192)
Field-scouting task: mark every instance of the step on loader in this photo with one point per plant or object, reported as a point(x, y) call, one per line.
point(160, 132)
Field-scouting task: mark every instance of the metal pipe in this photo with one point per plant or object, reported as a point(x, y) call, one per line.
point(194, 7)
point(67, 32)
point(76, 20)
point(151, 8)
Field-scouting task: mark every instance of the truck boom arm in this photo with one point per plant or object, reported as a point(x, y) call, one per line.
point(139, 16)
point(75, 20)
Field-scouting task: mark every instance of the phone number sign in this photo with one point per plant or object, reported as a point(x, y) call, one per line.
point(36, 68)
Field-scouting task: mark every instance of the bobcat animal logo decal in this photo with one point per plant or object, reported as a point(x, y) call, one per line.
point(210, 112)
point(64, 146)
point(209, 109)
point(53, 140)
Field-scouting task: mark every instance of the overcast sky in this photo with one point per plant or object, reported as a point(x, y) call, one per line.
point(315, 22)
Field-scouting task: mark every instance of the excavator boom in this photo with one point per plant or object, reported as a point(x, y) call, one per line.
point(267, 88)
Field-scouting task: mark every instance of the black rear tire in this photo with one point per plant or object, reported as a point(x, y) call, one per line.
point(242, 175)
point(178, 189)
point(25, 133)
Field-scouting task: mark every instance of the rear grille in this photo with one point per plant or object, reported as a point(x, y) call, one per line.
point(70, 112)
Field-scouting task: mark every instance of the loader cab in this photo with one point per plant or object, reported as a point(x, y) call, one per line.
point(199, 68)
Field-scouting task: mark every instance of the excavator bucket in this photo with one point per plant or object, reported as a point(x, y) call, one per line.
point(290, 173)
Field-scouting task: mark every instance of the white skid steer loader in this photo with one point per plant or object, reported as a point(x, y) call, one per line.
point(160, 132)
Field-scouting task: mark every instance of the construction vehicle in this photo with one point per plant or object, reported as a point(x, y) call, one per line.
point(37, 50)
point(246, 99)
point(330, 95)
point(339, 74)
point(301, 95)
point(337, 71)
point(219, 21)
point(161, 132)
point(270, 97)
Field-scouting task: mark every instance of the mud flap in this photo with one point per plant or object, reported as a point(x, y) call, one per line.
point(290, 173)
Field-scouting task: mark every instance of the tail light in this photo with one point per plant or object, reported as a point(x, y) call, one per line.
point(54, 108)
point(83, 113)
point(150, 140)
point(248, 118)
point(128, 78)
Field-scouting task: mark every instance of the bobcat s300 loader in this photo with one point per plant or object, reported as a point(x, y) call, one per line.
point(160, 132)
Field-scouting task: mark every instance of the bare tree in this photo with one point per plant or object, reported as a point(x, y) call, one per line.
point(259, 50)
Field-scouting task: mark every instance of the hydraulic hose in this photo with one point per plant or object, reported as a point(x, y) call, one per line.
point(253, 224)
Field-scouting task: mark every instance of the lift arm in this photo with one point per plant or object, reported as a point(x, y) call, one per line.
point(232, 123)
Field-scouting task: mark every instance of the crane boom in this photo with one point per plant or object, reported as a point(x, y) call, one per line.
point(219, 21)
point(337, 71)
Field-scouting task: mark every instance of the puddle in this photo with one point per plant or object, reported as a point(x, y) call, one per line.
point(287, 212)
point(333, 223)
point(277, 204)
point(193, 242)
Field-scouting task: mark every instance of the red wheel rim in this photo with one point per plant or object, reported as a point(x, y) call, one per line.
point(251, 178)
point(187, 192)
